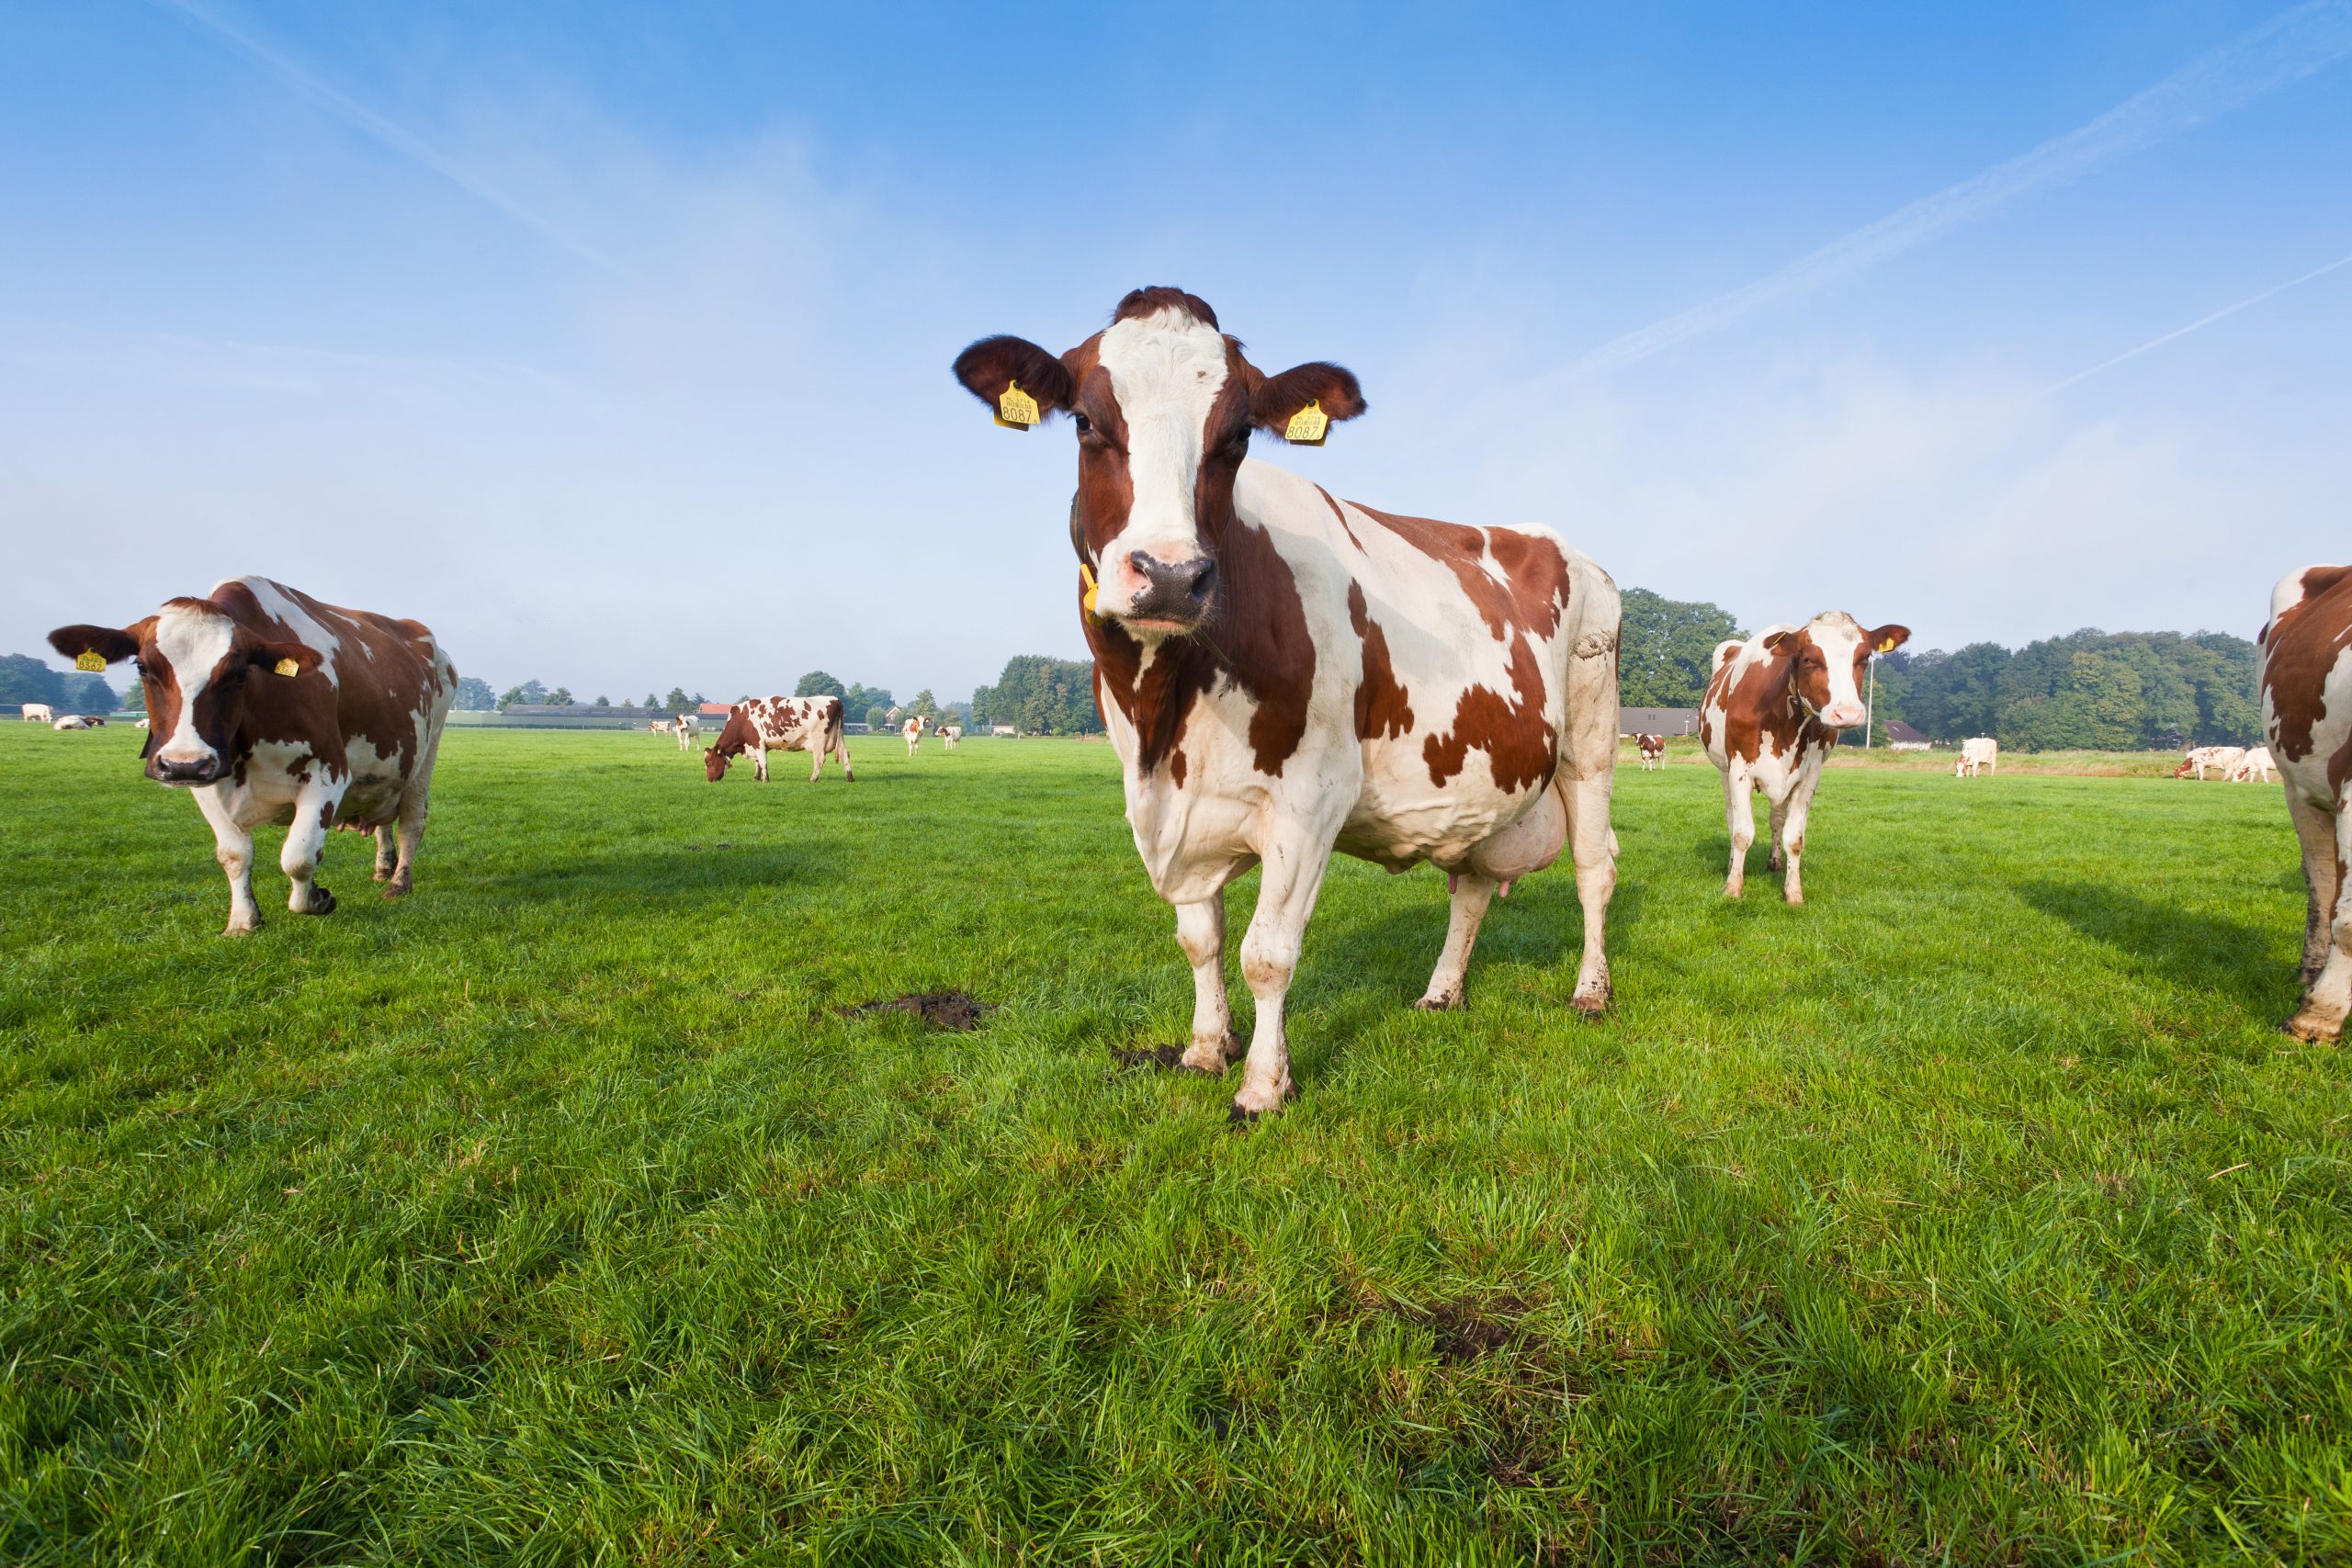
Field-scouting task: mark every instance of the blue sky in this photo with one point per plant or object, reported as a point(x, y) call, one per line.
point(612, 340)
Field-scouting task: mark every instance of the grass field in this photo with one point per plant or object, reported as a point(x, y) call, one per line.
point(1975, 1213)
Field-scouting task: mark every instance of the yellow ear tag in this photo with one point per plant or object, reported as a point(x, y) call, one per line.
point(1886, 645)
point(1086, 600)
point(1015, 409)
point(287, 666)
point(1308, 426)
point(89, 659)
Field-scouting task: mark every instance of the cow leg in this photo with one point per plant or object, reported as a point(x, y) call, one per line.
point(1594, 848)
point(1774, 821)
point(305, 841)
point(1787, 833)
point(2326, 838)
point(1199, 931)
point(1739, 814)
point(760, 763)
point(840, 755)
point(387, 853)
point(232, 846)
point(816, 759)
point(1286, 892)
point(1471, 896)
point(413, 807)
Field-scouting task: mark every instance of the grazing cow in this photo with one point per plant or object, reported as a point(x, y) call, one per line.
point(912, 729)
point(2306, 683)
point(1772, 711)
point(2255, 767)
point(1976, 756)
point(1283, 673)
point(780, 724)
point(2221, 759)
point(273, 706)
point(949, 734)
point(689, 730)
point(1653, 751)
point(659, 726)
point(39, 713)
point(70, 721)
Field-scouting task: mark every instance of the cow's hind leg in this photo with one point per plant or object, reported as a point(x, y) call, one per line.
point(2326, 838)
point(840, 755)
point(232, 846)
point(1199, 931)
point(1293, 876)
point(387, 853)
point(1449, 982)
point(1594, 848)
point(305, 839)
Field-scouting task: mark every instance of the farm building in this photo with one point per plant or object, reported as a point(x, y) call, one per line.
point(1901, 737)
point(1657, 721)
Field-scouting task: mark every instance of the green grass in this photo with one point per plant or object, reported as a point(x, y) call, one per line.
point(1975, 1213)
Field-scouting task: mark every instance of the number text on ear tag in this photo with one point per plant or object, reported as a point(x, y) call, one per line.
point(90, 661)
point(287, 666)
point(1308, 426)
point(1015, 409)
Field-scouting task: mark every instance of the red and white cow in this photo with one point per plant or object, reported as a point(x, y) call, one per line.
point(912, 729)
point(950, 734)
point(2219, 759)
point(1977, 755)
point(2306, 683)
point(780, 724)
point(2255, 767)
point(1283, 673)
point(1772, 711)
point(1653, 751)
point(659, 726)
point(274, 706)
point(39, 713)
point(689, 730)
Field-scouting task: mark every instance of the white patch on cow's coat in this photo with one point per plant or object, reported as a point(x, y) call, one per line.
point(193, 643)
point(306, 628)
point(1167, 369)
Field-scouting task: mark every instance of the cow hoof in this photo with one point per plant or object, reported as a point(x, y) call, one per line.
point(321, 902)
point(2313, 1028)
point(233, 929)
point(1238, 1119)
point(1590, 1004)
point(1454, 1003)
point(1210, 1058)
point(398, 887)
point(1796, 900)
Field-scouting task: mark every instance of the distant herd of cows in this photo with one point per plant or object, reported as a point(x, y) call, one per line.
point(1283, 674)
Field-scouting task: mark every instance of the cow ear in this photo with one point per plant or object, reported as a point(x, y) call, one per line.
point(1886, 639)
point(110, 643)
point(284, 658)
point(1771, 641)
point(1278, 400)
point(994, 364)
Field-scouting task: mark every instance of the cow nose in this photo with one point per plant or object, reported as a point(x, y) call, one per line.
point(1175, 591)
point(199, 771)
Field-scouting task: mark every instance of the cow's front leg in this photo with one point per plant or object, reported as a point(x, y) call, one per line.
point(232, 846)
point(1774, 854)
point(305, 840)
point(1739, 817)
point(1293, 877)
point(1199, 931)
point(1471, 894)
point(1790, 835)
point(2327, 941)
point(387, 858)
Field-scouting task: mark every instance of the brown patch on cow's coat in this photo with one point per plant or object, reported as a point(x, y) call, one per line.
point(1520, 747)
point(1176, 769)
point(1152, 300)
point(1383, 708)
point(2299, 650)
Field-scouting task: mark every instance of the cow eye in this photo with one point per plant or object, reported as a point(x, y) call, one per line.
point(1085, 425)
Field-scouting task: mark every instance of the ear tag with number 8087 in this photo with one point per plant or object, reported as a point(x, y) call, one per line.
point(1308, 426)
point(90, 659)
point(1015, 409)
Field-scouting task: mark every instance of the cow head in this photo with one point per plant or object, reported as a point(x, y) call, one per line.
point(1827, 655)
point(714, 763)
point(1163, 403)
point(195, 666)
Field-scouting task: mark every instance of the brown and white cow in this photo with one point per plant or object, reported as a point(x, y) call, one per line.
point(950, 734)
point(1976, 755)
point(72, 721)
point(780, 724)
point(2201, 759)
point(689, 730)
point(274, 706)
point(2306, 683)
point(2255, 767)
point(1772, 711)
point(659, 726)
point(1283, 673)
point(912, 729)
point(38, 712)
point(1653, 751)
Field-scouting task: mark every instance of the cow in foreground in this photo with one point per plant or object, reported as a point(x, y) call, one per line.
point(780, 724)
point(2306, 683)
point(271, 706)
point(2201, 759)
point(689, 730)
point(913, 730)
point(1653, 751)
point(38, 712)
point(1772, 711)
point(1285, 674)
point(1976, 757)
point(2255, 767)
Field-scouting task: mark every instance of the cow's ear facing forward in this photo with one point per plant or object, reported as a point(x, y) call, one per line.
point(994, 364)
point(1886, 639)
point(110, 643)
point(283, 657)
point(1278, 400)
point(1772, 640)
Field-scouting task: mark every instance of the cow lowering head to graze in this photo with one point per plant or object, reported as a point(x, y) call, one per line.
point(2306, 685)
point(274, 706)
point(1976, 756)
point(1283, 673)
point(912, 729)
point(1772, 711)
point(2200, 760)
point(2255, 767)
point(779, 724)
point(1653, 751)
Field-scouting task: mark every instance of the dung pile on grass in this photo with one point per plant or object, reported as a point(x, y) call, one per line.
point(939, 1009)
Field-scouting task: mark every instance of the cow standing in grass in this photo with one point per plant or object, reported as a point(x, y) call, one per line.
point(950, 735)
point(1285, 674)
point(1653, 751)
point(274, 706)
point(913, 730)
point(2201, 758)
point(1772, 711)
point(2306, 682)
point(780, 724)
point(38, 712)
point(1976, 756)
point(689, 730)
point(2255, 767)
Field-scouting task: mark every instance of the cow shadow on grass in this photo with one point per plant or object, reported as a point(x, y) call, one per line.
point(1391, 954)
point(2196, 951)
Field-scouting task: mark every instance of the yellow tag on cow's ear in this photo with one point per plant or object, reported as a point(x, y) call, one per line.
point(90, 659)
point(1886, 645)
point(1308, 426)
point(287, 666)
point(1015, 409)
point(1086, 600)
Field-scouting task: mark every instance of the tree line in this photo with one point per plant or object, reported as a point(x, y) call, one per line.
point(24, 679)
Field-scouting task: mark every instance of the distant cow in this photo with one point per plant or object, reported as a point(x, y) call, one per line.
point(2255, 767)
point(659, 726)
point(95, 721)
point(1976, 756)
point(2221, 759)
point(1653, 751)
point(274, 706)
point(689, 730)
point(2306, 683)
point(70, 721)
point(780, 724)
point(39, 713)
point(949, 734)
point(912, 729)
point(1772, 711)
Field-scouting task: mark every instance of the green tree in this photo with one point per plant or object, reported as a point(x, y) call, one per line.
point(604, 702)
point(816, 683)
point(529, 693)
point(87, 692)
point(24, 679)
point(1046, 696)
point(857, 699)
point(473, 696)
point(1665, 647)
point(652, 701)
point(677, 699)
point(561, 697)
point(877, 716)
point(922, 704)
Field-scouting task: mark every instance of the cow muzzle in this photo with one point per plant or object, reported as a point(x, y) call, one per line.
point(1171, 595)
point(1839, 715)
point(185, 770)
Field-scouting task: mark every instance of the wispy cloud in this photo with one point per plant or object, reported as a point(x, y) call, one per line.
point(2290, 47)
point(307, 85)
point(2193, 326)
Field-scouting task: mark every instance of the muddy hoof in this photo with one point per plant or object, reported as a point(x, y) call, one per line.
point(382, 874)
point(1238, 1118)
point(321, 901)
point(1442, 1004)
point(1591, 1008)
point(2312, 1031)
point(398, 888)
